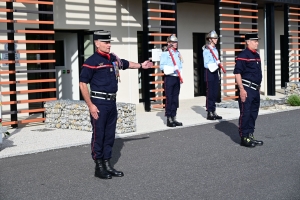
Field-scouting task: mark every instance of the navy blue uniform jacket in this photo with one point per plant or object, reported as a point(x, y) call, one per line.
point(100, 70)
point(248, 64)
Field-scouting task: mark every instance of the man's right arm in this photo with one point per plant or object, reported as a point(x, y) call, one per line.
point(86, 96)
point(238, 79)
point(243, 93)
point(85, 93)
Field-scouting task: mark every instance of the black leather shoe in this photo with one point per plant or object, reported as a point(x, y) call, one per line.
point(210, 116)
point(100, 172)
point(216, 115)
point(177, 123)
point(257, 142)
point(170, 122)
point(111, 170)
point(247, 142)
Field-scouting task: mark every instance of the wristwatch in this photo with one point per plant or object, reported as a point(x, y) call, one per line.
point(141, 65)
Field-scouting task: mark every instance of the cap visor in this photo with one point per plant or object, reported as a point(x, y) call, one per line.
point(105, 40)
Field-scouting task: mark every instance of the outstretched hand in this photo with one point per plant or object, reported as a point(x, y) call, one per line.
point(147, 64)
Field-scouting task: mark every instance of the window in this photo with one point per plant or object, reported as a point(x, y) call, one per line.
point(59, 53)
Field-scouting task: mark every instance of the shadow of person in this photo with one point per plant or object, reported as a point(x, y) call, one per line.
point(6, 142)
point(200, 110)
point(118, 146)
point(162, 116)
point(230, 129)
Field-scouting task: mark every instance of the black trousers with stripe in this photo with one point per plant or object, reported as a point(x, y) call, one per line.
point(212, 82)
point(172, 89)
point(248, 112)
point(104, 129)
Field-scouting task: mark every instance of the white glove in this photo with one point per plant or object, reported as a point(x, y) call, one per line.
point(218, 62)
point(176, 67)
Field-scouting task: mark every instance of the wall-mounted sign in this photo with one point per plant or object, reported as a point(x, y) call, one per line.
point(156, 53)
point(5, 55)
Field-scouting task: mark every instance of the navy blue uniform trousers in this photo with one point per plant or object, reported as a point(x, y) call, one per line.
point(212, 89)
point(104, 130)
point(172, 89)
point(248, 112)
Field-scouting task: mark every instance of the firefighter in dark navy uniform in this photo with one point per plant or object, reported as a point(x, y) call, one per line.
point(101, 71)
point(211, 77)
point(248, 77)
point(171, 63)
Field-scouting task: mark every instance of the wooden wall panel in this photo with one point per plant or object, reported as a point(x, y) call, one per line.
point(39, 73)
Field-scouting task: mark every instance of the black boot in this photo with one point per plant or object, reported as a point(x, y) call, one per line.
point(257, 142)
point(100, 171)
point(247, 142)
point(177, 123)
point(216, 115)
point(210, 116)
point(170, 122)
point(111, 170)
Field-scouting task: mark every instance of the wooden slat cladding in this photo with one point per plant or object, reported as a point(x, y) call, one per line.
point(37, 41)
point(157, 35)
point(294, 43)
point(28, 91)
point(235, 19)
point(26, 61)
point(23, 121)
point(30, 2)
point(28, 41)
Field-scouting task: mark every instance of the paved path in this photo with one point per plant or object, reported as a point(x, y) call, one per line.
point(197, 162)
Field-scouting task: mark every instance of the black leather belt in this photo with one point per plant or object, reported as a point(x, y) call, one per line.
point(250, 84)
point(103, 95)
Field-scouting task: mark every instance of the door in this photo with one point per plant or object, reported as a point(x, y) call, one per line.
point(67, 70)
point(199, 84)
point(284, 59)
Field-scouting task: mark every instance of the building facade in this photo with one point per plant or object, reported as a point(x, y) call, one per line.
point(48, 68)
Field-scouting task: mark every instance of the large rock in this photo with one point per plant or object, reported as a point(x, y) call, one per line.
point(67, 114)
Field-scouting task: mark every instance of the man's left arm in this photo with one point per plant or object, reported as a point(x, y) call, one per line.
point(145, 65)
point(125, 64)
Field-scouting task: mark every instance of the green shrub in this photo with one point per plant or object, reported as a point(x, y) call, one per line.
point(294, 100)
